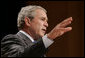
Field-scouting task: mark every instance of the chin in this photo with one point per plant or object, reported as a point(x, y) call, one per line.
point(42, 35)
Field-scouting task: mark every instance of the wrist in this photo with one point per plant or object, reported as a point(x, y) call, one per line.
point(49, 36)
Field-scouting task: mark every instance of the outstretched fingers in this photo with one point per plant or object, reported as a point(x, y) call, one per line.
point(67, 29)
point(61, 31)
point(66, 22)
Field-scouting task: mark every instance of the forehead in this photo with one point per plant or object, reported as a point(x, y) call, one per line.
point(41, 13)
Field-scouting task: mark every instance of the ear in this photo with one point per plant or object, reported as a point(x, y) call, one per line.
point(27, 21)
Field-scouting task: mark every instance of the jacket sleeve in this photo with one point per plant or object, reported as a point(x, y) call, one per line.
point(12, 47)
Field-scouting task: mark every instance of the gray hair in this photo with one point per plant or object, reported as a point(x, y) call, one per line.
point(27, 11)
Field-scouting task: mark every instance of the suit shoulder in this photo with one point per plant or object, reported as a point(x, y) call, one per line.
point(9, 37)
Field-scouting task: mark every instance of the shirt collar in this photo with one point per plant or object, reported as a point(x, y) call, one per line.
point(27, 35)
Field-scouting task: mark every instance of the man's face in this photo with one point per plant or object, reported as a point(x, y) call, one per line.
point(39, 23)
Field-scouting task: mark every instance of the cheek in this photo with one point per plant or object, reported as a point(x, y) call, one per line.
point(37, 27)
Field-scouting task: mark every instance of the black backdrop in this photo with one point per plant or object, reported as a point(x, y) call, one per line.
point(9, 13)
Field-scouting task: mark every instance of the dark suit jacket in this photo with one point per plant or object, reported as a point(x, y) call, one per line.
point(19, 45)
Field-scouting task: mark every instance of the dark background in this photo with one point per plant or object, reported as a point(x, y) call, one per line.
point(71, 44)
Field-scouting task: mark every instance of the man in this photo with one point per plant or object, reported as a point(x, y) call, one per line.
point(31, 40)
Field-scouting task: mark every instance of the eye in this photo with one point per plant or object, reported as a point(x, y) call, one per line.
point(42, 19)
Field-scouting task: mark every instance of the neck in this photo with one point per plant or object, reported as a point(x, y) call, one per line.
point(31, 33)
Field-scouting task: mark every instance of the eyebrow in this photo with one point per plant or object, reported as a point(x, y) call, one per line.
point(44, 18)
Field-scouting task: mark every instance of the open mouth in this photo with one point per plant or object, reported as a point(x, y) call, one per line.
point(44, 30)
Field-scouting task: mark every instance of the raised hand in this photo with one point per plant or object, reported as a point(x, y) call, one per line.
point(60, 29)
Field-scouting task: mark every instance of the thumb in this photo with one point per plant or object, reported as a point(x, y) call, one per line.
point(67, 29)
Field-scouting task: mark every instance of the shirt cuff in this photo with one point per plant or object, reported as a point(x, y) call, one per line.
point(47, 42)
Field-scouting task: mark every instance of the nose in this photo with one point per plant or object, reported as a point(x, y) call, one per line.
point(46, 24)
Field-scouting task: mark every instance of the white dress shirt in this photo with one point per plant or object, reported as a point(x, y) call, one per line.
point(47, 42)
